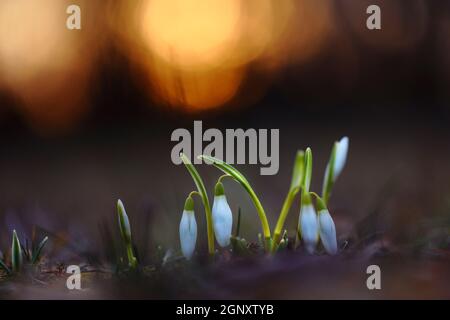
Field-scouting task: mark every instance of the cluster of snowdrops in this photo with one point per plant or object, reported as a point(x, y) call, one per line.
point(314, 223)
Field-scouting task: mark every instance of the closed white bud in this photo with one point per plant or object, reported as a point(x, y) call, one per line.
point(309, 226)
point(341, 157)
point(222, 217)
point(188, 229)
point(327, 231)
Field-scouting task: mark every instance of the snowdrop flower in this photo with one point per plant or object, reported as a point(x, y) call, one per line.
point(222, 216)
point(341, 157)
point(336, 164)
point(327, 230)
point(188, 229)
point(309, 226)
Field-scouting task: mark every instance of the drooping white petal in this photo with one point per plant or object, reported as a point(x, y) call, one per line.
point(222, 220)
point(309, 227)
point(188, 233)
point(327, 231)
point(341, 157)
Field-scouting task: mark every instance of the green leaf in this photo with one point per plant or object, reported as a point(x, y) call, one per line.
point(124, 223)
point(226, 168)
point(239, 177)
point(299, 169)
point(125, 231)
point(197, 179)
point(202, 191)
point(38, 250)
point(306, 181)
point(16, 253)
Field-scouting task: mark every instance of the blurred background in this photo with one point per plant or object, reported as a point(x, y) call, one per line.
point(86, 115)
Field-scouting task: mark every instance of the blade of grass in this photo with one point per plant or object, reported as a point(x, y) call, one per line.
point(25, 251)
point(5, 267)
point(38, 250)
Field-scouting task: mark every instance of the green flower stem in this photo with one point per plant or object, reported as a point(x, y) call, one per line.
point(262, 217)
point(320, 203)
point(305, 184)
point(131, 259)
point(194, 193)
point(329, 180)
point(202, 191)
point(282, 217)
point(298, 174)
point(223, 177)
point(239, 177)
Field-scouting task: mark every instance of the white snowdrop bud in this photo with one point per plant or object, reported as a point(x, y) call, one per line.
point(222, 216)
point(327, 229)
point(188, 229)
point(309, 226)
point(341, 157)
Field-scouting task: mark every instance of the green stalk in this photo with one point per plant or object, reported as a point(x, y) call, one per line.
point(132, 261)
point(282, 217)
point(329, 180)
point(297, 178)
point(305, 184)
point(202, 191)
point(239, 177)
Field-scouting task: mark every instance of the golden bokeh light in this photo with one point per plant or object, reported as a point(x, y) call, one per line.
point(194, 90)
point(32, 38)
point(191, 33)
point(196, 52)
point(43, 63)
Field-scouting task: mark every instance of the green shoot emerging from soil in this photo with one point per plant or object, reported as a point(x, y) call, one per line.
point(125, 232)
point(18, 253)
